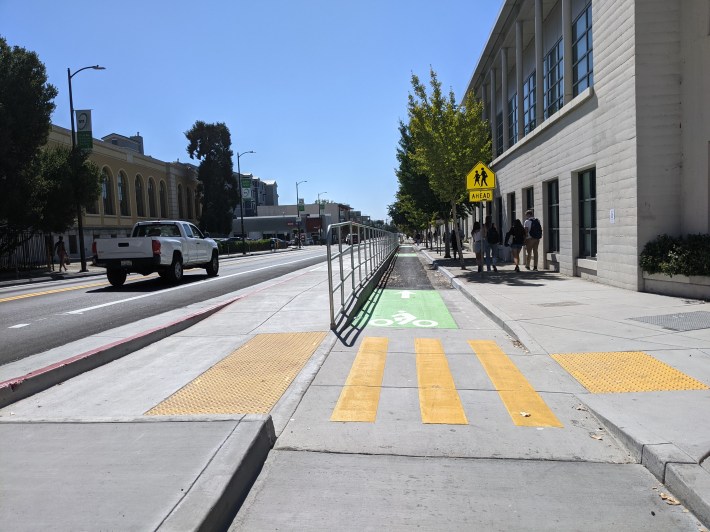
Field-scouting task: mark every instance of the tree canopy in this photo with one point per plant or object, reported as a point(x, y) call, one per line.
point(447, 139)
point(211, 144)
point(26, 105)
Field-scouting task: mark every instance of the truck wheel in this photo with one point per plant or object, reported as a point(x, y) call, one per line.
point(212, 266)
point(174, 273)
point(116, 277)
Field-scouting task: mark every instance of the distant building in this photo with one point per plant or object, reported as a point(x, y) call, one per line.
point(134, 143)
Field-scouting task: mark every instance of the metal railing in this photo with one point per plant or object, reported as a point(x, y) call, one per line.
point(361, 252)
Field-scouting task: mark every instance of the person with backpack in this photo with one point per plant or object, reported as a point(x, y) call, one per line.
point(533, 234)
point(517, 234)
point(490, 245)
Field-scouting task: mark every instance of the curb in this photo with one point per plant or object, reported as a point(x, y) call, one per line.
point(18, 388)
point(216, 496)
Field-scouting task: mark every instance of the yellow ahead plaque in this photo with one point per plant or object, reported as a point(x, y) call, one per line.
point(480, 195)
point(481, 178)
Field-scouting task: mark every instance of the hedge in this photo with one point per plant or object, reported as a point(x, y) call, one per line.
point(677, 256)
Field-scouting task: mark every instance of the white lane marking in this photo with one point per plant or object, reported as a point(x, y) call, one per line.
point(19, 326)
point(181, 287)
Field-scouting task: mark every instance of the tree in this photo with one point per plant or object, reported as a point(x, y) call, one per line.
point(211, 144)
point(67, 178)
point(26, 105)
point(448, 139)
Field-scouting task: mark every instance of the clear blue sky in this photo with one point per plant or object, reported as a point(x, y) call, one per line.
point(315, 87)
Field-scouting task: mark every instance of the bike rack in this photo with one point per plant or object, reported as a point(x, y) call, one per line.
point(373, 249)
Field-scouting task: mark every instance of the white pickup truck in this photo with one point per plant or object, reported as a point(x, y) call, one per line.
point(163, 246)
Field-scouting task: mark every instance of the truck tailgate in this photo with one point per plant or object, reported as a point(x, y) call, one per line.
point(124, 248)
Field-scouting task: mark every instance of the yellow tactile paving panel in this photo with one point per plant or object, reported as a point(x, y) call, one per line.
point(439, 401)
point(249, 381)
point(524, 404)
point(625, 371)
point(360, 397)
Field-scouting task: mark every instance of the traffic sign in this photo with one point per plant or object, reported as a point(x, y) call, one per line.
point(480, 195)
point(480, 178)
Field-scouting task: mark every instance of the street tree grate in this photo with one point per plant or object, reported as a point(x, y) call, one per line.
point(683, 321)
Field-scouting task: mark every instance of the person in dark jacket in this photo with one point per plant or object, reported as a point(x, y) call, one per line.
point(517, 236)
point(454, 243)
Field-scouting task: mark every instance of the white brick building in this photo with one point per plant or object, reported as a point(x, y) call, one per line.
point(600, 115)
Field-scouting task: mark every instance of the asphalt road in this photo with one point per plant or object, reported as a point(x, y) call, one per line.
point(34, 319)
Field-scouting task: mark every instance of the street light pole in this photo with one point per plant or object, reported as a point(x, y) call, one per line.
point(298, 215)
point(241, 200)
point(320, 217)
point(79, 221)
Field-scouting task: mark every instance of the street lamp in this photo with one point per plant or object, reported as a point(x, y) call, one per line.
point(298, 214)
point(79, 222)
point(241, 200)
point(320, 217)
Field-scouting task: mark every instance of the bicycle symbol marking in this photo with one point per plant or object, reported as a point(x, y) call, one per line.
point(403, 318)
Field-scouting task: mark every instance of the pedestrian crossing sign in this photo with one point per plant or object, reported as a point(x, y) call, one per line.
point(481, 178)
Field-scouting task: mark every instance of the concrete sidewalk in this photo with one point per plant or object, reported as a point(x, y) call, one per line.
point(666, 431)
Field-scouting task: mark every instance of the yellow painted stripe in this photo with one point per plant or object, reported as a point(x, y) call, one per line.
point(439, 401)
point(360, 397)
point(519, 397)
point(67, 289)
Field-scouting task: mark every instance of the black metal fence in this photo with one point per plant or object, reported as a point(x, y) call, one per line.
point(24, 251)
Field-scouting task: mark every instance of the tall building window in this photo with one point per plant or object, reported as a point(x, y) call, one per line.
point(588, 214)
point(163, 201)
point(554, 73)
point(513, 120)
point(140, 204)
point(582, 55)
point(511, 208)
point(152, 206)
point(529, 103)
point(553, 216)
point(499, 214)
point(529, 197)
point(189, 203)
point(123, 194)
point(107, 192)
point(181, 210)
point(499, 133)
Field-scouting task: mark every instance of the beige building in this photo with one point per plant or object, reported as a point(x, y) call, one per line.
point(135, 187)
point(599, 115)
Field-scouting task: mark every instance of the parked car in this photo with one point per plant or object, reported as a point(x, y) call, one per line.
point(277, 243)
point(164, 246)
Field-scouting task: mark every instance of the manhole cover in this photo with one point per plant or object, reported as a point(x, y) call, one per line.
point(560, 304)
point(683, 321)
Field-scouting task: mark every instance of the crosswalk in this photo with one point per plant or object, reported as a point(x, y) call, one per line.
point(439, 400)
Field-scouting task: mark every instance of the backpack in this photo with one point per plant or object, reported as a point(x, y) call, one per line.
point(535, 228)
point(492, 236)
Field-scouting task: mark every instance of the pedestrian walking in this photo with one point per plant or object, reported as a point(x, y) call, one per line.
point(516, 235)
point(454, 243)
point(491, 239)
point(533, 234)
point(476, 239)
point(61, 252)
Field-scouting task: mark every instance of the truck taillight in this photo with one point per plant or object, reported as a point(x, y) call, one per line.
point(156, 247)
point(93, 248)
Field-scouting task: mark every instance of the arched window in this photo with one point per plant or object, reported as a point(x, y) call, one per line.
point(163, 201)
point(189, 203)
point(123, 194)
point(140, 202)
point(107, 191)
point(181, 211)
point(152, 210)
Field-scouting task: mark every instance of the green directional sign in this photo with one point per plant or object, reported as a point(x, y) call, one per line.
point(414, 309)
